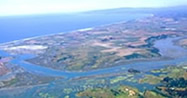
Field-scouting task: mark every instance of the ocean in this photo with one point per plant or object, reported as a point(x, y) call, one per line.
point(20, 27)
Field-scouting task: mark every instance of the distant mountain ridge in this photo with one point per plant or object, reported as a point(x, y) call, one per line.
point(179, 11)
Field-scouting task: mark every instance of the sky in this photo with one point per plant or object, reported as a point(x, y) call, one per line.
point(22, 7)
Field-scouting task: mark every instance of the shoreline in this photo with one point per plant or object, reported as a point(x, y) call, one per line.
point(78, 30)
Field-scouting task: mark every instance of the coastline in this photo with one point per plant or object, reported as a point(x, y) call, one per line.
point(78, 30)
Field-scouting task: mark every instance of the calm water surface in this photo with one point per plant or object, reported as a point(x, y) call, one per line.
point(19, 27)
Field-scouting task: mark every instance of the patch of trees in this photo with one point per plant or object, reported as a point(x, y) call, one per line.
point(134, 56)
point(150, 41)
point(134, 71)
point(172, 82)
point(174, 87)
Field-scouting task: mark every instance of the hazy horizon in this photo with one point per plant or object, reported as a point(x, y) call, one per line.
point(29, 7)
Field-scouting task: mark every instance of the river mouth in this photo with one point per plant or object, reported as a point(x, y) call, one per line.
point(166, 48)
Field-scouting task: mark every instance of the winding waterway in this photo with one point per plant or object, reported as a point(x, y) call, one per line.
point(165, 46)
